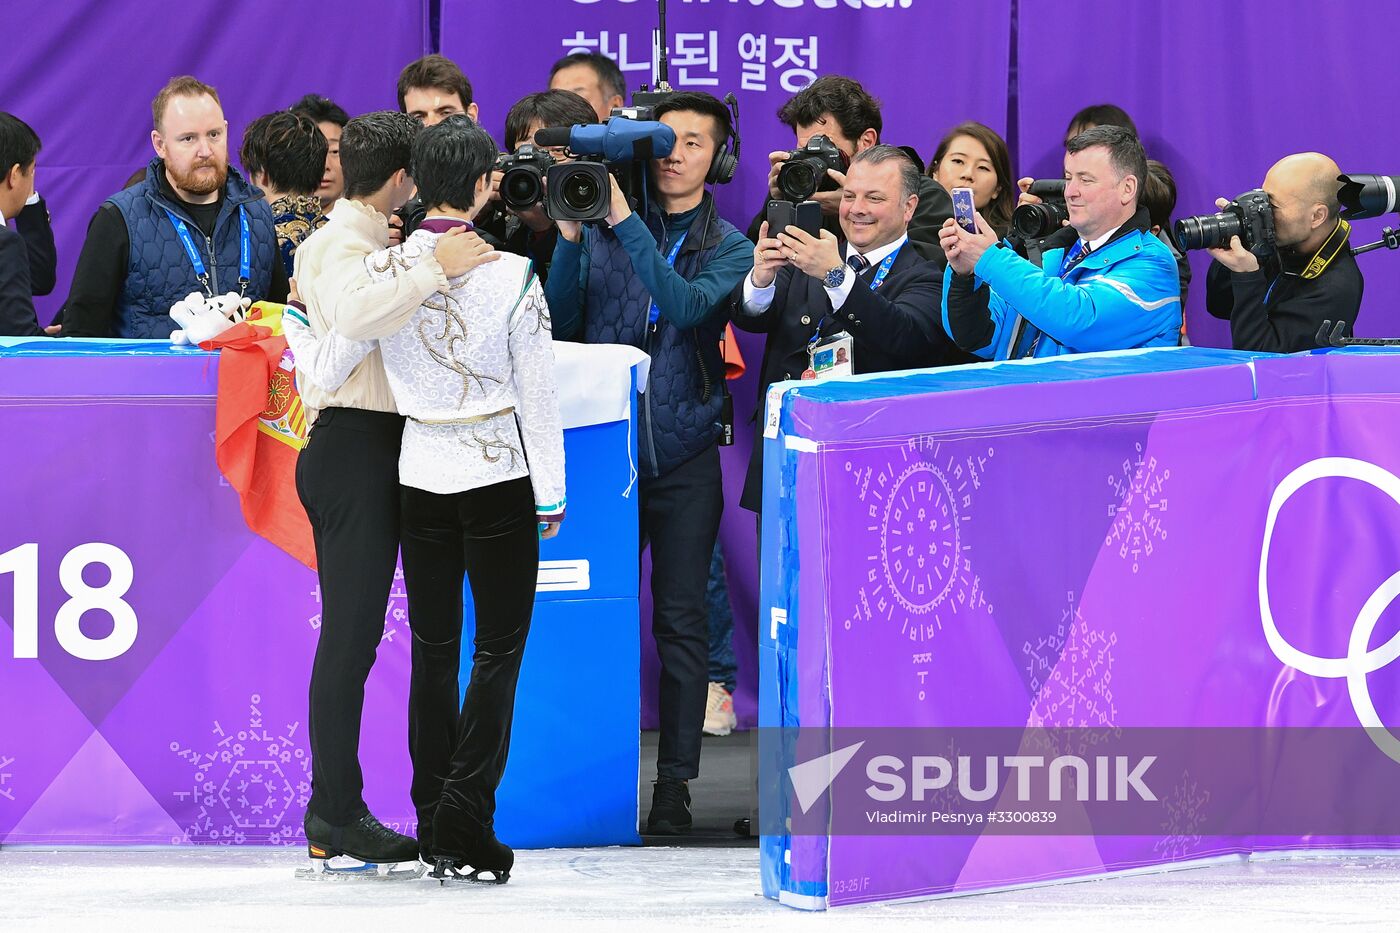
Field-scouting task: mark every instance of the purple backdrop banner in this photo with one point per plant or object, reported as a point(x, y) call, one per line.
point(1101, 562)
point(83, 74)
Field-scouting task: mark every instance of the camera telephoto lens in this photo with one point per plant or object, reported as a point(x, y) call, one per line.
point(580, 191)
point(1207, 231)
point(521, 189)
point(1033, 221)
point(798, 179)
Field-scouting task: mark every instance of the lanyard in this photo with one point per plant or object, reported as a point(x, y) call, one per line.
point(670, 261)
point(1072, 258)
point(879, 278)
point(876, 281)
point(245, 251)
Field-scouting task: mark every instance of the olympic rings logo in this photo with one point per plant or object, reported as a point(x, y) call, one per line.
point(1358, 661)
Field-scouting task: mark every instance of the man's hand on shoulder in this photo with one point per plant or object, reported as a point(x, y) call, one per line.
point(459, 251)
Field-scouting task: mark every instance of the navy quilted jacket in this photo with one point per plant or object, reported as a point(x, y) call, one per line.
point(159, 273)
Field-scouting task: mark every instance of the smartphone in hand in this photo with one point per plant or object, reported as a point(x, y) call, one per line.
point(963, 209)
point(806, 216)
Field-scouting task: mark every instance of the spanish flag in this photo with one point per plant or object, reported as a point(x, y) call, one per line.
point(260, 427)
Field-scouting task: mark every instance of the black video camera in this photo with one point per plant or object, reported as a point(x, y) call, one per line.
point(1036, 221)
point(1249, 217)
point(580, 190)
point(522, 185)
point(804, 172)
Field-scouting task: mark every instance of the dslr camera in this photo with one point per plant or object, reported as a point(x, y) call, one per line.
point(1249, 217)
point(1037, 221)
point(522, 185)
point(804, 172)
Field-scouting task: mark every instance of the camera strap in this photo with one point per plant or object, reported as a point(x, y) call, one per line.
point(671, 255)
point(1330, 249)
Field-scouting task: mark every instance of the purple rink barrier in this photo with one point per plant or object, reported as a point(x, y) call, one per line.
point(1189, 554)
point(162, 700)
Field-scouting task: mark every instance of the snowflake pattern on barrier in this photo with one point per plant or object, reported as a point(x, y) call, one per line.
point(395, 612)
point(1181, 830)
point(920, 571)
point(7, 787)
point(1071, 674)
point(251, 786)
point(1138, 508)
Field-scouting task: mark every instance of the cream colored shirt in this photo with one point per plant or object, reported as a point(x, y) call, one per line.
point(339, 295)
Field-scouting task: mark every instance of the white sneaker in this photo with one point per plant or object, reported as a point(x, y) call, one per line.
point(719, 711)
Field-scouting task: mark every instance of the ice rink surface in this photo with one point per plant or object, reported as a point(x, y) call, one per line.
point(206, 890)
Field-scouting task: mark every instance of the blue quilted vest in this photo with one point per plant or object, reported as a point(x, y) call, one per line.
point(158, 273)
point(680, 411)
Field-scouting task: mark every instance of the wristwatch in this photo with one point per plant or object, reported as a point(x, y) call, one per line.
point(835, 277)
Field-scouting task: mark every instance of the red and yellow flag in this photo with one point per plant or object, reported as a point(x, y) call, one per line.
point(260, 427)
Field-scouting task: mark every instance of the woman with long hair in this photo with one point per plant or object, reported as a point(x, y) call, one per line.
point(973, 155)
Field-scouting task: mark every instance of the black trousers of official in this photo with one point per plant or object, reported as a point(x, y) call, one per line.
point(680, 515)
point(348, 479)
point(459, 749)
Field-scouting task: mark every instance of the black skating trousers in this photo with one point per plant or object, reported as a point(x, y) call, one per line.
point(348, 479)
point(459, 749)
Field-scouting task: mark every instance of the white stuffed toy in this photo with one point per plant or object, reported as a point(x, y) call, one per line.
point(201, 318)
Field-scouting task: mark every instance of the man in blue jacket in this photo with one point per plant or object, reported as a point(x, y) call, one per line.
point(1104, 282)
point(659, 279)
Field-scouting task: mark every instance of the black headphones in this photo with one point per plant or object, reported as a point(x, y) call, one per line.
point(726, 160)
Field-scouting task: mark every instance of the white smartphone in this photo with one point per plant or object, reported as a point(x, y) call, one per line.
point(963, 209)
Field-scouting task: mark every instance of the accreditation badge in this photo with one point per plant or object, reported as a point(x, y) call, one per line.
point(834, 356)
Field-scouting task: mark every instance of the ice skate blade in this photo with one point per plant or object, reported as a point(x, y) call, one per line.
point(444, 874)
point(351, 871)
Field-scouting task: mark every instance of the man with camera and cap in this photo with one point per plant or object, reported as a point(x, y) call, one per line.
point(659, 279)
point(807, 292)
point(1277, 294)
point(833, 119)
point(1104, 282)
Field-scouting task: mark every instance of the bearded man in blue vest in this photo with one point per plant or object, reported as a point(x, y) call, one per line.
point(194, 224)
point(659, 278)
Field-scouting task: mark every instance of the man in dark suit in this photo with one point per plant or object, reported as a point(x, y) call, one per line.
point(19, 145)
point(807, 292)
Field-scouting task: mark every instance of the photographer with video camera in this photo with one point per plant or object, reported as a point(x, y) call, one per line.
point(1104, 282)
point(659, 279)
point(1282, 258)
point(516, 218)
point(873, 295)
point(834, 118)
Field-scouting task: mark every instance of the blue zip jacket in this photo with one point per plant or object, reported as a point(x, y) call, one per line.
point(601, 290)
point(1125, 294)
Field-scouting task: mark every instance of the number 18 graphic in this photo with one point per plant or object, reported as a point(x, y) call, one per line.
point(23, 562)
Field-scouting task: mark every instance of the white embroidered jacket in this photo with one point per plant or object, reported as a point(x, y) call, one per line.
point(473, 370)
